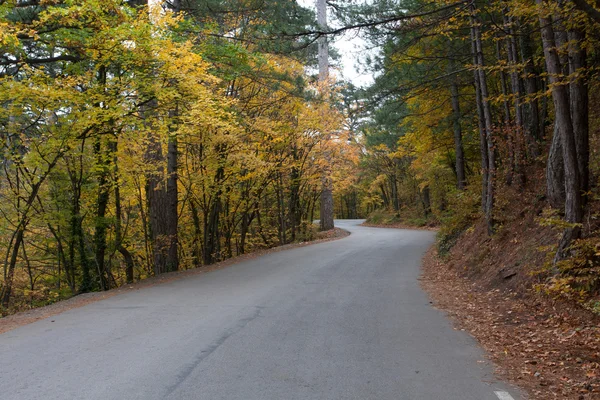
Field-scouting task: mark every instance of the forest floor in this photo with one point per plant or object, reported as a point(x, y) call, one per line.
point(402, 220)
point(496, 288)
point(14, 321)
point(401, 225)
point(550, 349)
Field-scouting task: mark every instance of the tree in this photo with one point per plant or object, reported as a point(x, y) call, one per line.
point(564, 130)
point(137, 142)
point(326, 214)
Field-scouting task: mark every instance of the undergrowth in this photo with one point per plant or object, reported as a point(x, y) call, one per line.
point(576, 277)
point(465, 211)
point(383, 217)
point(307, 232)
point(408, 216)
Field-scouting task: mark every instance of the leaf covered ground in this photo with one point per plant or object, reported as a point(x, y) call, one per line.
point(550, 349)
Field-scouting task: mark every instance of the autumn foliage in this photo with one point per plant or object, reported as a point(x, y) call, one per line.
point(137, 141)
point(484, 109)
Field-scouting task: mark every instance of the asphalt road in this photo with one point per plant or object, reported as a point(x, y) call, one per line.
point(339, 320)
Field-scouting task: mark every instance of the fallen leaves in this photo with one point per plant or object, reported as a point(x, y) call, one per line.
point(549, 349)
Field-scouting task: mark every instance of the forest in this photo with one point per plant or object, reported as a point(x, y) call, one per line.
point(140, 138)
point(482, 119)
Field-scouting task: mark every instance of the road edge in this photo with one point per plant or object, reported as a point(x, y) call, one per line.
point(401, 226)
point(23, 318)
point(431, 283)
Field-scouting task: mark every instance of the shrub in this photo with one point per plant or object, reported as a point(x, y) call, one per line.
point(577, 277)
point(307, 231)
point(465, 206)
point(383, 217)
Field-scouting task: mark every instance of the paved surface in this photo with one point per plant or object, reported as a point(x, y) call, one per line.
point(337, 320)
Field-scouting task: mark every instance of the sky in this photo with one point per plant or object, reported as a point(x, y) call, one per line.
point(350, 47)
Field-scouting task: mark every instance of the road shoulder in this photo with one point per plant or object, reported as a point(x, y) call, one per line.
point(19, 319)
point(400, 225)
point(548, 349)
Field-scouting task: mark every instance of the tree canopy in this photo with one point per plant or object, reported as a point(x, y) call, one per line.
point(140, 138)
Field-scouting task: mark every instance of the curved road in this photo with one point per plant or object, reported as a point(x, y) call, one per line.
point(339, 320)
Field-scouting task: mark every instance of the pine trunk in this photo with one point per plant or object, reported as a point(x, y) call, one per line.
point(326, 214)
point(487, 117)
point(517, 92)
point(579, 98)
point(564, 128)
point(461, 181)
point(531, 113)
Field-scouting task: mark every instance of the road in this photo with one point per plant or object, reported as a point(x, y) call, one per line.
point(344, 320)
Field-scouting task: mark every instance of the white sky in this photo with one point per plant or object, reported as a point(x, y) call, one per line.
point(351, 48)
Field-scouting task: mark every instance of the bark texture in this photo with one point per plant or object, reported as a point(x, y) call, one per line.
point(564, 128)
point(487, 118)
point(461, 181)
point(162, 204)
point(326, 214)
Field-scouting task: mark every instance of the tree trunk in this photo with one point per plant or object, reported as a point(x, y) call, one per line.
point(172, 203)
point(212, 242)
point(579, 99)
point(326, 214)
point(77, 235)
point(8, 282)
point(461, 181)
point(517, 92)
point(161, 193)
point(260, 229)
point(281, 210)
point(503, 87)
point(481, 127)
point(394, 193)
point(62, 259)
point(119, 239)
point(196, 246)
point(531, 114)
point(426, 201)
point(507, 123)
point(482, 144)
point(162, 189)
point(564, 127)
point(157, 209)
point(212, 235)
point(86, 280)
point(555, 172)
point(323, 45)
point(294, 200)
point(487, 117)
point(101, 206)
point(246, 221)
point(386, 201)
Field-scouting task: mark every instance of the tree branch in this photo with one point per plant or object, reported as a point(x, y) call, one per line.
point(32, 61)
point(584, 6)
point(384, 21)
